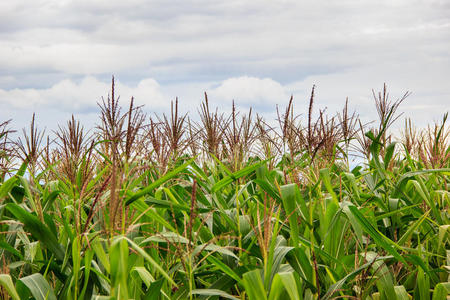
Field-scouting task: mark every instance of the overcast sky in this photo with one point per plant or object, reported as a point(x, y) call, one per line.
point(57, 56)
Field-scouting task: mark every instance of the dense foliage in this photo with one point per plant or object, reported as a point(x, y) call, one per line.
point(225, 208)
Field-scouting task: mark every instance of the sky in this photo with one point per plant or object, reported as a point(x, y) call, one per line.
point(57, 57)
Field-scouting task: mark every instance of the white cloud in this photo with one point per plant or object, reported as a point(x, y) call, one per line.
point(252, 91)
point(55, 104)
point(71, 96)
point(427, 103)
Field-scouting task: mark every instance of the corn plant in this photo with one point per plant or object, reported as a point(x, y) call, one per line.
point(226, 207)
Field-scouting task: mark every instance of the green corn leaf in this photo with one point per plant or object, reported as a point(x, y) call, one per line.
point(397, 211)
point(290, 285)
point(280, 253)
point(148, 258)
point(268, 188)
point(35, 285)
point(379, 239)
point(214, 248)
point(419, 262)
point(224, 268)
point(445, 171)
point(352, 180)
point(254, 285)
point(7, 284)
point(118, 256)
point(444, 231)
point(319, 251)
point(101, 254)
point(143, 208)
point(148, 189)
point(144, 275)
point(236, 175)
point(423, 285)
point(302, 265)
point(99, 297)
point(165, 204)
point(37, 229)
point(154, 291)
point(88, 257)
point(9, 184)
point(276, 288)
point(222, 166)
point(166, 237)
point(355, 224)
point(325, 176)
point(99, 175)
point(10, 249)
point(213, 292)
point(388, 154)
point(290, 197)
point(402, 294)
point(385, 281)
point(441, 291)
point(338, 285)
point(50, 199)
point(405, 237)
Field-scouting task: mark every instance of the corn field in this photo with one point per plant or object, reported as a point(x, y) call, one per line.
point(226, 206)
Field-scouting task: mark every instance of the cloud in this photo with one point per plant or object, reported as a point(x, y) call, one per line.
point(250, 91)
point(83, 96)
point(58, 55)
point(55, 104)
point(188, 39)
point(427, 103)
